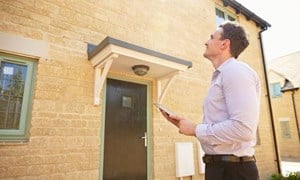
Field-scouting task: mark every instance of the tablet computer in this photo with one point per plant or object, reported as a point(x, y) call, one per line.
point(164, 108)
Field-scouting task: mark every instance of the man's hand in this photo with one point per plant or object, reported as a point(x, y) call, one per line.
point(184, 125)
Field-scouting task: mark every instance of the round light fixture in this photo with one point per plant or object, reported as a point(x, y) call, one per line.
point(140, 70)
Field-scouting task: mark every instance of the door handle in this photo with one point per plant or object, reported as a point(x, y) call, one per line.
point(145, 139)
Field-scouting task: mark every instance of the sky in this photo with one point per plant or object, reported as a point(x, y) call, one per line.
point(283, 37)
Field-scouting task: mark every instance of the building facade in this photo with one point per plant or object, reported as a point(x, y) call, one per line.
point(284, 82)
point(72, 106)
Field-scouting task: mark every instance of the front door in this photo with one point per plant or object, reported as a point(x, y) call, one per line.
point(125, 151)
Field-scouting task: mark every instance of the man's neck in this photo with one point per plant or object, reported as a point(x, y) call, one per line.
point(220, 60)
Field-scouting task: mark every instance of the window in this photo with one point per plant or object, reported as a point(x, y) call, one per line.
point(16, 77)
point(222, 16)
point(285, 128)
point(276, 90)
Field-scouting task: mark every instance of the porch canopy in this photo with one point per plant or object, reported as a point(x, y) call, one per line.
point(118, 56)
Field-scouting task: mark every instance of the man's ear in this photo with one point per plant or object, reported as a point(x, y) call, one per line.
point(225, 44)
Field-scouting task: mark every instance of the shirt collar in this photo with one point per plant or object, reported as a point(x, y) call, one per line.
point(221, 67)
point(225, 63)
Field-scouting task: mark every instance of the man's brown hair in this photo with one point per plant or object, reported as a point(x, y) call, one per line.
point(237, 36)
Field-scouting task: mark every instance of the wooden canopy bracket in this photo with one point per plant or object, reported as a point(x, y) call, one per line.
point(101, 71)
point(161, 91)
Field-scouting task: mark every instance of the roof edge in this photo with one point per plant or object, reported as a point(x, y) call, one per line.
point(93, 50)
point(239, 8)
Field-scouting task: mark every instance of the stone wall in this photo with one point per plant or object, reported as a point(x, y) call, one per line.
point(65, 126)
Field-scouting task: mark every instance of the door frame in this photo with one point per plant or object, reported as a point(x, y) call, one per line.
point(148, 84)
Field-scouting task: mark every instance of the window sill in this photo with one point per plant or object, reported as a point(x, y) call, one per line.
point(13, 142)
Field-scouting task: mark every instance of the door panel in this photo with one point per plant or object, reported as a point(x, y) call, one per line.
point(125, 154)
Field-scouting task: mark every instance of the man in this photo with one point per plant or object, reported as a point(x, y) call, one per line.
point(231, 109)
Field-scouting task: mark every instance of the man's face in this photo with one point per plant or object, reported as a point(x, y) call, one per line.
point(214, 45)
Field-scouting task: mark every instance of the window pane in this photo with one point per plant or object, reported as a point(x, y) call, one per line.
point(220, 17)
point(276, 90)
point(231, 18)
point(285, 129)
point(12, 81)
point(127, 101)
